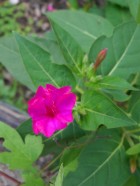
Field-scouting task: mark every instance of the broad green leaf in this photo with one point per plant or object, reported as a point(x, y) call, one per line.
point(117, 15)
point(131, 182)
point(49, 43)
point(101, 163)
point(135, 9)
point(59, 178)
point(11, 59)
point(101, 110)
point(57, 56)
point(114, 83)
point(135, 149)
point(71, 154)
point(135, 95)
point(22, 154)
point(123, 3)
point(135, 111)
point(39, 66)
point(123, 55)
point(63, 138)
point(85, 28)
point(70, 49)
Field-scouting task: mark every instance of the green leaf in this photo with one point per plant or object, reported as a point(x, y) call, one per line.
point(135, 111)
point(59, 178)
point(70, 49)
point(101, 110)
point(117, 95)
point(31, 177)
point(73, 4)
point(11, 59)
point(115, 83)
point(101, 163)
point(57, 56)
point(71, 154)
point(85, 28)
point(117, 15)
point(22, 154)
point(63, 138)
point(49, 43)
point(135, 9)
point(39, 67)
point(135, 149)
point(131, 182)
point(123, 3)
point(122, 53)
point(59, 140)
point(25, 128)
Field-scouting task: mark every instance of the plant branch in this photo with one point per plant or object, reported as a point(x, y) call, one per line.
point(18, 183)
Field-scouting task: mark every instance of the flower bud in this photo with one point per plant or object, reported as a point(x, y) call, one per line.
point(101, 56)
point(133, 165)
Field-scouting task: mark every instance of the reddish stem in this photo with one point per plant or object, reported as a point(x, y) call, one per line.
point(18, 183)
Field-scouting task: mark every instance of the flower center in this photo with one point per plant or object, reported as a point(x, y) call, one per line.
point(51, 111)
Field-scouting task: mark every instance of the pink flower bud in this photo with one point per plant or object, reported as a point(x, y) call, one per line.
point(101, 56)
point(133, 165)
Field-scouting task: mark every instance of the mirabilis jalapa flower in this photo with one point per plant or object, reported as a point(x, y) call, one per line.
point(51, 109)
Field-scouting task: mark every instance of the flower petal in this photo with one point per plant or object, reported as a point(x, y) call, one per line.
point(41, 92)
point(66, 102)
point(37, 108)
point(64, 90)
point(48, 126)
point(65, 117)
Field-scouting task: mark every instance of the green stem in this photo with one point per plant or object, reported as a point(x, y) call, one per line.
point(135, 137)
point(134, 131)
point(127, 135)
point(52, 162)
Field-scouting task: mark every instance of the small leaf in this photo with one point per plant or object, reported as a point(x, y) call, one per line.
point(20, 155)
point(115, 83)
point(134, 150)
point(101, 110)
point(117, 95)
point(59, 178)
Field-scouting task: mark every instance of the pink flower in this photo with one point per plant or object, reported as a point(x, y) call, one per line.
point(51, 109)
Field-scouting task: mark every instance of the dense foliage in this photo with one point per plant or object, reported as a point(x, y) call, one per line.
point(102, 145)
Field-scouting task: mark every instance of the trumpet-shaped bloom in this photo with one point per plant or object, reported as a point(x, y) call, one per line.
point(51, 109)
